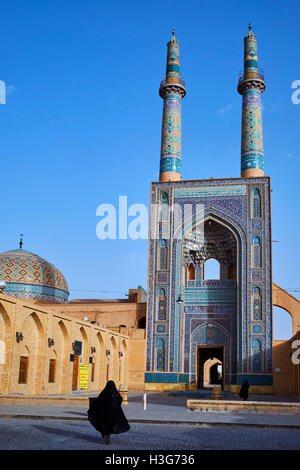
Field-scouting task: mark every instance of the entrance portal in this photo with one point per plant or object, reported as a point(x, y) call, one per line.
point(205, 353)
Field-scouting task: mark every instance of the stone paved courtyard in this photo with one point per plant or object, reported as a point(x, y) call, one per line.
point(71, 435)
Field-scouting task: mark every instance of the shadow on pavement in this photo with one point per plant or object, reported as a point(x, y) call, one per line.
point(77, 413)
point(71, 434)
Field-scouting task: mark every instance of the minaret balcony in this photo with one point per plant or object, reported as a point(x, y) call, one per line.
point(257, 82)
point(166, 88)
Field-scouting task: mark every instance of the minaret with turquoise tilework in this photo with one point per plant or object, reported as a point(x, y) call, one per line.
point(251, 85)
point(172, 90)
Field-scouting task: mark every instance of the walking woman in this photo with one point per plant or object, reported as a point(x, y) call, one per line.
point(244, 390)
point(106, 414)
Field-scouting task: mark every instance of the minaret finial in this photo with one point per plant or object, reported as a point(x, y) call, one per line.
point(21, 241)
point(173, 38)
point(250, 27)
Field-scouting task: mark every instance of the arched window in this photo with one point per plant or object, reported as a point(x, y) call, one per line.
point(211, 269)
point(191, 273)
point(256, 204)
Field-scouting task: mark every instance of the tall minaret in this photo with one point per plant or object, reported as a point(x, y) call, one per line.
point(172, 89)
point(251, 85)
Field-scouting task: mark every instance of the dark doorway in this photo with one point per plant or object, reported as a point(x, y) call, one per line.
point(142, 322)
point(215, 377)
point(203, 354)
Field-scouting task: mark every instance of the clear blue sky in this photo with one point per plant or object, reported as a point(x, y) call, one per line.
point(82, 122)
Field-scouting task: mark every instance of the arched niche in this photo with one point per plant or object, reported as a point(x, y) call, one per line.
point(113, 360)
point(231, 271)
point(33, 339)
point(85, 341)
point(100, 361)
point(209, 340)
point(164, 207)
point(191, 272)
point(212, 247)
point(235, 249)
point(163, 255)
point(123, 362)
point(53, 369)
point(160, 354)
point(161, 305)
point(256, 254)
point(256, 203)
point(62, 340)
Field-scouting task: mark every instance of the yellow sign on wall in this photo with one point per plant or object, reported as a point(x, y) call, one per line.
point(84, 376)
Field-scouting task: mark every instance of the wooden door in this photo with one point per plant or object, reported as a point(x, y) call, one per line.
point(52, 371)
point(23, 371)
point(75, 372)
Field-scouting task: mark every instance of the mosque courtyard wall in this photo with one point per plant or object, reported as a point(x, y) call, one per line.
point(286, 366)
point(45, 340)
point(43, 351)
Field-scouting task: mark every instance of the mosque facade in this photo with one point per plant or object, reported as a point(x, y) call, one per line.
point(190, 318)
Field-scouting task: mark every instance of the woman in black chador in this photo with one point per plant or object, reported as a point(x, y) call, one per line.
point(106, 414)
point(244, 390)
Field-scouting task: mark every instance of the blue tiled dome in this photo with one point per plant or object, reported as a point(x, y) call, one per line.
point(27, 275)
